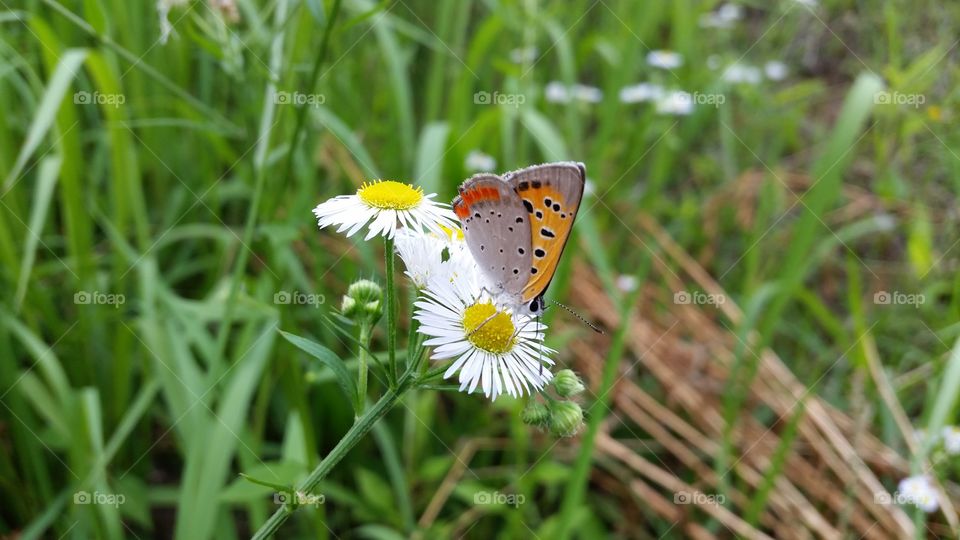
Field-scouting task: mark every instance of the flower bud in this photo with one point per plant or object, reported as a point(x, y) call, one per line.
point(567, 384)
point(535, 414)
point(362, 302)
point(566, 418)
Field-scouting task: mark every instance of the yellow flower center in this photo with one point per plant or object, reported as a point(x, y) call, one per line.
point(488, 329)
point(453, 233)
point(389, 194)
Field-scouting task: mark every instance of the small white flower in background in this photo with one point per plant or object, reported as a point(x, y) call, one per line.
point(723, 17)
point(676, 102)
point(227, 9)
point(713, 61)
point(589, 187)
point(477, 161)
point(626, 283)
point(742, 74)
point(589, 94)
point(951, 440)
point(385, 204)
point(524, 55)
point(919, 491)
point(665, 59)
point(775, 70)
point(808, 3)
point(641, 92)
point(557, 92)
point(500, 351)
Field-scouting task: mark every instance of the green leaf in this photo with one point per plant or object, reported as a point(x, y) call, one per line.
point(329, 359)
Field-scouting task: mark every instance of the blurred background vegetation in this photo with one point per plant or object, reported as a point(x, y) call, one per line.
point(792, 221)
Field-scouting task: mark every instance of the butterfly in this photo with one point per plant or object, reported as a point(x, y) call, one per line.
point(517, 225)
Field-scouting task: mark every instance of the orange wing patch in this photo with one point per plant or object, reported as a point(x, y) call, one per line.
point(551, 220)
point(469, 197)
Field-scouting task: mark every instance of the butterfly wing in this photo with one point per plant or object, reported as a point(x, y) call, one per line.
point(497, 229)
point(551, 195)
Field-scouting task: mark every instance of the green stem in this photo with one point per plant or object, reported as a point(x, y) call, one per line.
point(362, 357)
point(394, 374)
point(360, 428)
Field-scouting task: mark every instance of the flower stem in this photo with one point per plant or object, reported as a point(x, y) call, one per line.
point(362, 357)
point(394, 374)
point(359, 429)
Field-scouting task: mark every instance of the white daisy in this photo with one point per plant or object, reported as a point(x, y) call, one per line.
point(919, 491)
point(676, 102)
point(665, 59)
point(951, 439)
point(626, 283)
point(493, 348)
point(384, 204)
point(588, 94)
point(775, 70)
point(741, 73)
point(423, 253)
point(641, 92)
point(556, 92)
point(477, 161)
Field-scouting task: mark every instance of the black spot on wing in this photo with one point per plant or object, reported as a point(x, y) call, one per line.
point(540, 253)
point(545, 232)
point(526, 204)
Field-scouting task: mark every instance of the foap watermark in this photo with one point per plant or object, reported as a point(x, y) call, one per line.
point(97, 298)
point(298, 498)
point(697, 98)
point(698, 298)
point(699, 498)
point(96, 98)
point(299, 99)
point(899, 98)
point(897, 298)
point(900, 498)
point(499, 498)
point(498, 98)
point(298, 298)
point(107, 499)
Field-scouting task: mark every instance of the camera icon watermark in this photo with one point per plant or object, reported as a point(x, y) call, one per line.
point(698, 498)
point(298, 298)
point(897, 298)
point(698, 298)
point(299, 99)
point(96, 98)
point(106, 499)
point(899, 98)
point(498, 498)
point(97, 298)
point(298, 498)
point(498, 98)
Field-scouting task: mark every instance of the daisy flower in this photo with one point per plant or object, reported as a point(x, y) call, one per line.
point(383, 204)
point(677, 103)
point(918, 490)
point(724, 17)
point(557, 92)
point(775, 70)
point(665, 59)
point(477, 161)
point(494, 348)
point(741, 73)
point(951, 439)
point(423, 253)
point(641, 92)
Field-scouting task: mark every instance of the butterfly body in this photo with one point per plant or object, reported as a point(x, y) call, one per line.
point(516, 226)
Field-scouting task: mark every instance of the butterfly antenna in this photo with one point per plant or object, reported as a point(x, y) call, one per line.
point(577, 315)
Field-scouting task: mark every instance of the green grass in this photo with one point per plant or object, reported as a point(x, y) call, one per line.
point(191, 200)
